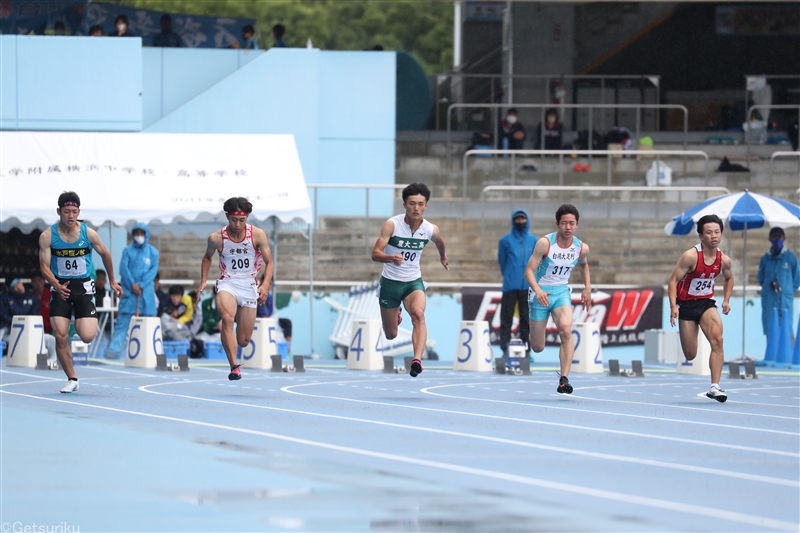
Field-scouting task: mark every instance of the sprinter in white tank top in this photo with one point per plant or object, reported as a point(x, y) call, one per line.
point(243, 249)
point(399, 248)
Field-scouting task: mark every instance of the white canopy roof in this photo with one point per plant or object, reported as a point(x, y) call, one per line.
point(144, 177)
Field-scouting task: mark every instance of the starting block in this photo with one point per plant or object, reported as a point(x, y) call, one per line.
point(277, 363)
point(390, 368)
point(749, 371)
point(42, 364)
point(182, 365)
point(699, 365)
point(299, 363)
point(635, 371)
point(500, 365)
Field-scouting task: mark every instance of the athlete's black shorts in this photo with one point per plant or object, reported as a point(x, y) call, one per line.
point(694, 309)
point(80, 301)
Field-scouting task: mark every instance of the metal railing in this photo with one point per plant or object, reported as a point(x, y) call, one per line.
point(590, 107)
point(653, 80)
point(562, 153)
point(772, 166)
point(582, 189)
point(750, 114)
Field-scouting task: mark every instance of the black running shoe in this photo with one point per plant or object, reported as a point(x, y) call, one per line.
point(563, 386)
point(236, 373)
point(416, 368)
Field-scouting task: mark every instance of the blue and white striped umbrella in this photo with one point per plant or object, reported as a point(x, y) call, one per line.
point(739, 211)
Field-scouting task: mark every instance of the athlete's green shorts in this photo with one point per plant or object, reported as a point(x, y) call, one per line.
point(393, 292)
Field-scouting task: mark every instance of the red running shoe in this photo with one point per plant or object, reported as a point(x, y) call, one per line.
point(416, 368)
point(236, 373)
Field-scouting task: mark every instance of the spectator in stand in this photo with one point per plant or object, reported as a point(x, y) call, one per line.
point(277, 35)
point(138, 268)
point(249, 38)
point(162, 298)
point(553, 132)
point(511, 132)
point(59, 28)
point(212, 320)
point(794, 134)
point(167, 38)
point(16, 301)
point(180, 305)
point(96, 31)
point(100, 290)
point(513, 252)
point(42, 291)
point(121, 26)
point(177, 318)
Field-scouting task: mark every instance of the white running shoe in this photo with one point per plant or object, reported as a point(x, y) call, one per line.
point(71, 386)
point(715, 393)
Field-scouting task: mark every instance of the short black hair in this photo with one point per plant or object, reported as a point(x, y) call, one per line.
point(248, 28)
point(415, 189)
point(237, 203)
point(58, 25)
point(709, 219)
point(96, 27)
point(123, 18)
point(69, 196)
point(512, 110)
point(279, 30)
point(176, 289)
point(100, 271)
point(166, 18)
point(567, 209)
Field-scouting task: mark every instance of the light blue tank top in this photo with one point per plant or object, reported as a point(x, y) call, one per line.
point(70, 260)
point(557, 265)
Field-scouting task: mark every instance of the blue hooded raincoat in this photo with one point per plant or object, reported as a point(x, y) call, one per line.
point(139, 265)
point(784, 268)
point(513, 253)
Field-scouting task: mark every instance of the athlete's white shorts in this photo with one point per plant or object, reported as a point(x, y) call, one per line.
point(245, 290)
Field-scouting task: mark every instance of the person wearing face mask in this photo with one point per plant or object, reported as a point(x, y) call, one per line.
point(779, 277)
point(513, 252)
point(121, 27)
point(553, 132)
point(138, 269)
point(511, 132)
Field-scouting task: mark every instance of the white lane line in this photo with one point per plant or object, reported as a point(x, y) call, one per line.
point(557, 449)
point(625, 415)
point(722, 514)
point(43, 378)
point(288, 389)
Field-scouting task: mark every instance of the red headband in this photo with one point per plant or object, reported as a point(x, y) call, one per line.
point(238, 214)
point(70, 203)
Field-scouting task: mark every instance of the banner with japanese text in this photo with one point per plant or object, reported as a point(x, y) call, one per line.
point(622, 313)
point(150, 176)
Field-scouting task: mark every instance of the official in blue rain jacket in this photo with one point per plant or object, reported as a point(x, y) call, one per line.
point(779, 277)
point(138, 269)
point(513, 253)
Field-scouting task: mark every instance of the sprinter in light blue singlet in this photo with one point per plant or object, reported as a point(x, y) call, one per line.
point(65, 259)
point(548, 272)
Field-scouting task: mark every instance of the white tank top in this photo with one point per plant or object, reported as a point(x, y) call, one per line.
point(239, 259)
point(557, 265)
point(403, 241)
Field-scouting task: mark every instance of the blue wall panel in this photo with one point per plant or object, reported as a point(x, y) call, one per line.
point(8, 81)
point(357, 95)
point(356, 162)
point(277, 92)
point(78, 83)
point(182, 74)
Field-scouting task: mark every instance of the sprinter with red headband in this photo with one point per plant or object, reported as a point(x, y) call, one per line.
point(243, 250)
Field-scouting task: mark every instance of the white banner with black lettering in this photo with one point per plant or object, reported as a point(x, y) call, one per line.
point(122, 177)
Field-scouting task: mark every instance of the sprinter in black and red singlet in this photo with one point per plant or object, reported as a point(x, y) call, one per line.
point(243, 249)
point(691, 292)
